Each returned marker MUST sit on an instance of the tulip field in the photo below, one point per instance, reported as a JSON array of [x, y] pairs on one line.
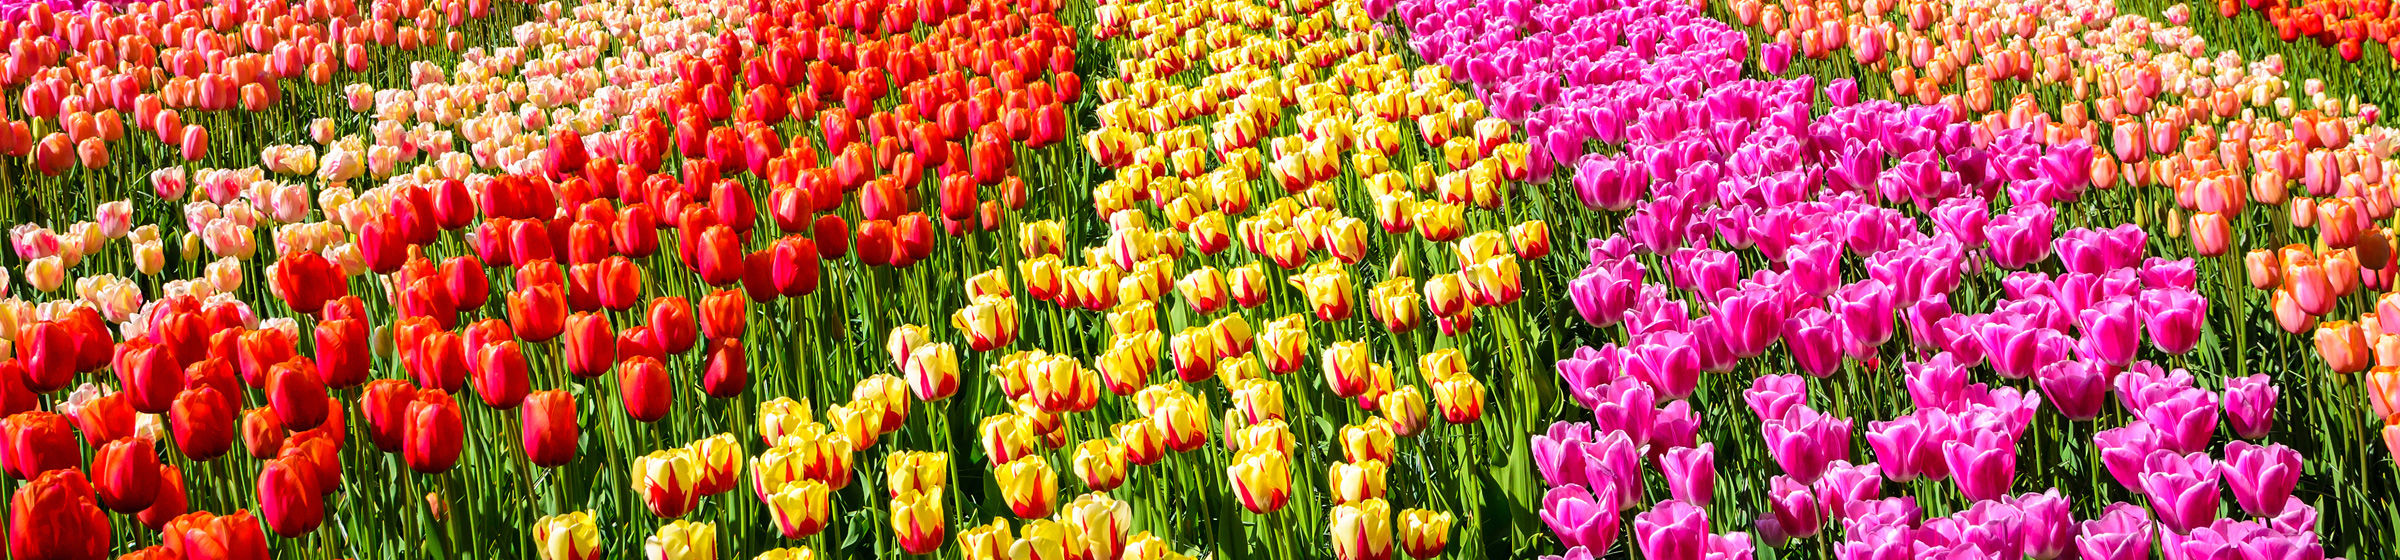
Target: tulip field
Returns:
[[1226, 279]]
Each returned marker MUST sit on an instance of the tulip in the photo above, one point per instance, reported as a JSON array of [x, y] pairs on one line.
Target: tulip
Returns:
[[1581, 518], [672, 325], [1362, 530], [1029, 486], [801, 509], [682, 540], [918, 523], [342, 353], [567, 536], [125, 474], [667, 481], [2122, 532], [287, 498], [262, 433], [590, 346], [169, 502], [2262, 477], [102, 419], [502, 377], [2250, 405], [2077, 389], [1102, 466], [201, 419], [54, 516], [550, 428], [644, 388], [2182, 489], [1424, 534], [433, 434]]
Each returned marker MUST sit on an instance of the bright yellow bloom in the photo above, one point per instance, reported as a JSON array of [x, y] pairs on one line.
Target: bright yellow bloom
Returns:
[[682, 540], [1362, 530], [1352, 482], [918, 522], [1261, 478], [1370, 441], [1100, 464], [1405, 408], [916, 471], [801, 508], [567, 536]]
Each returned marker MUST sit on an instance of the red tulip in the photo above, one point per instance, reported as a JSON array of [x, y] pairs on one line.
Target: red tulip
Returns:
[[213, 373], [261, 349], [14, 398], [384, 404], [591, 345], [47, 350], [54, 517], [618, 283], [502, 378], [538, 313], [126, 474], [168, 503], [724, 314], [529, 241], [792, 208], [463, 276], [35, 442], [262, 433], [672, 326], [104, 419], [382, 245], [876, 245], [550, 430], [297, 394], [434, 431], [342, 353], [441, 361], [718, 257], [287, 497], [95, 340], [566, 155], [483, 334], [726, 371], [202, 421], [643, 385], [148, 374], [306, 281], [453, 205], [54, 154], [227, 537], [915, 239], [320, 454]]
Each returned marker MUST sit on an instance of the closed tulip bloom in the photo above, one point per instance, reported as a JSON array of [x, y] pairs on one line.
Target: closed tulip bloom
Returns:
[[725, 371], [724, 314], [342, 352], [2077, 389], [202, 420], [550, 428], [125, 474], [262, 433], [1362, 530], [567, 536], [682, 540], [296, 394], [2344, 347], [101, 419], [54, 516], [801, 508], [673, 325], [668, 481], [384, 404], [502, 377], [538, 313], [590, 346], [434, 433], [2122, 532], [989, 323], [1029, 486], [2250, 405], [1100, 465], [645, 389], [1691, 473], [287, 499], [932, 371], [2262, 477], [918, 523]]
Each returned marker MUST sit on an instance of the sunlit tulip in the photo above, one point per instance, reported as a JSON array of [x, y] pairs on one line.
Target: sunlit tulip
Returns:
[[918, 522], [126, 474], [1424, 534], [682, 540], [801, 508], [644, 388], [1029, 486], [550, 428], [1362, 530], [202, 420], [1354, 482], [567, 536], [932, 371], [434, 432], [667, 481], [55, 516], [288, 499]]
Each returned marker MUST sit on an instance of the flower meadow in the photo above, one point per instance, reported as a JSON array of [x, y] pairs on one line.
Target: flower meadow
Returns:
[[1147, 279]]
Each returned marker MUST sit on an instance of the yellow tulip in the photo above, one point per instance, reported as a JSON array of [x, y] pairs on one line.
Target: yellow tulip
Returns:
[[1393, 302], [1195, 354], [917, 521], [1346, 366], [1142, 440], [1496, 280], [1349, 482], [1061, 384], [1405, 408], [1043, 539], [989, 283], [1371, 441], [904, 341], [1232, 334], [859, 422], [1007, 437], [1283, 346], [781, 416], [1532, 239], [801, 553], [668, 481], [1261, 478], [1327, 287], [1362, 530], [1248, 284], [989, 322], [719, 459], [1043, 277], [1446, 295], [1234, 370], [774, 468], [1271, 433], [682, 540], [1439, 221], [1259, 400], [800, 509], [1036, 239], [1424, 534], [916, 471], [1203, 290], [1099, 522], [986, 542], [889, 393], [1183, 422], [567, 536], [1029, 486]]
